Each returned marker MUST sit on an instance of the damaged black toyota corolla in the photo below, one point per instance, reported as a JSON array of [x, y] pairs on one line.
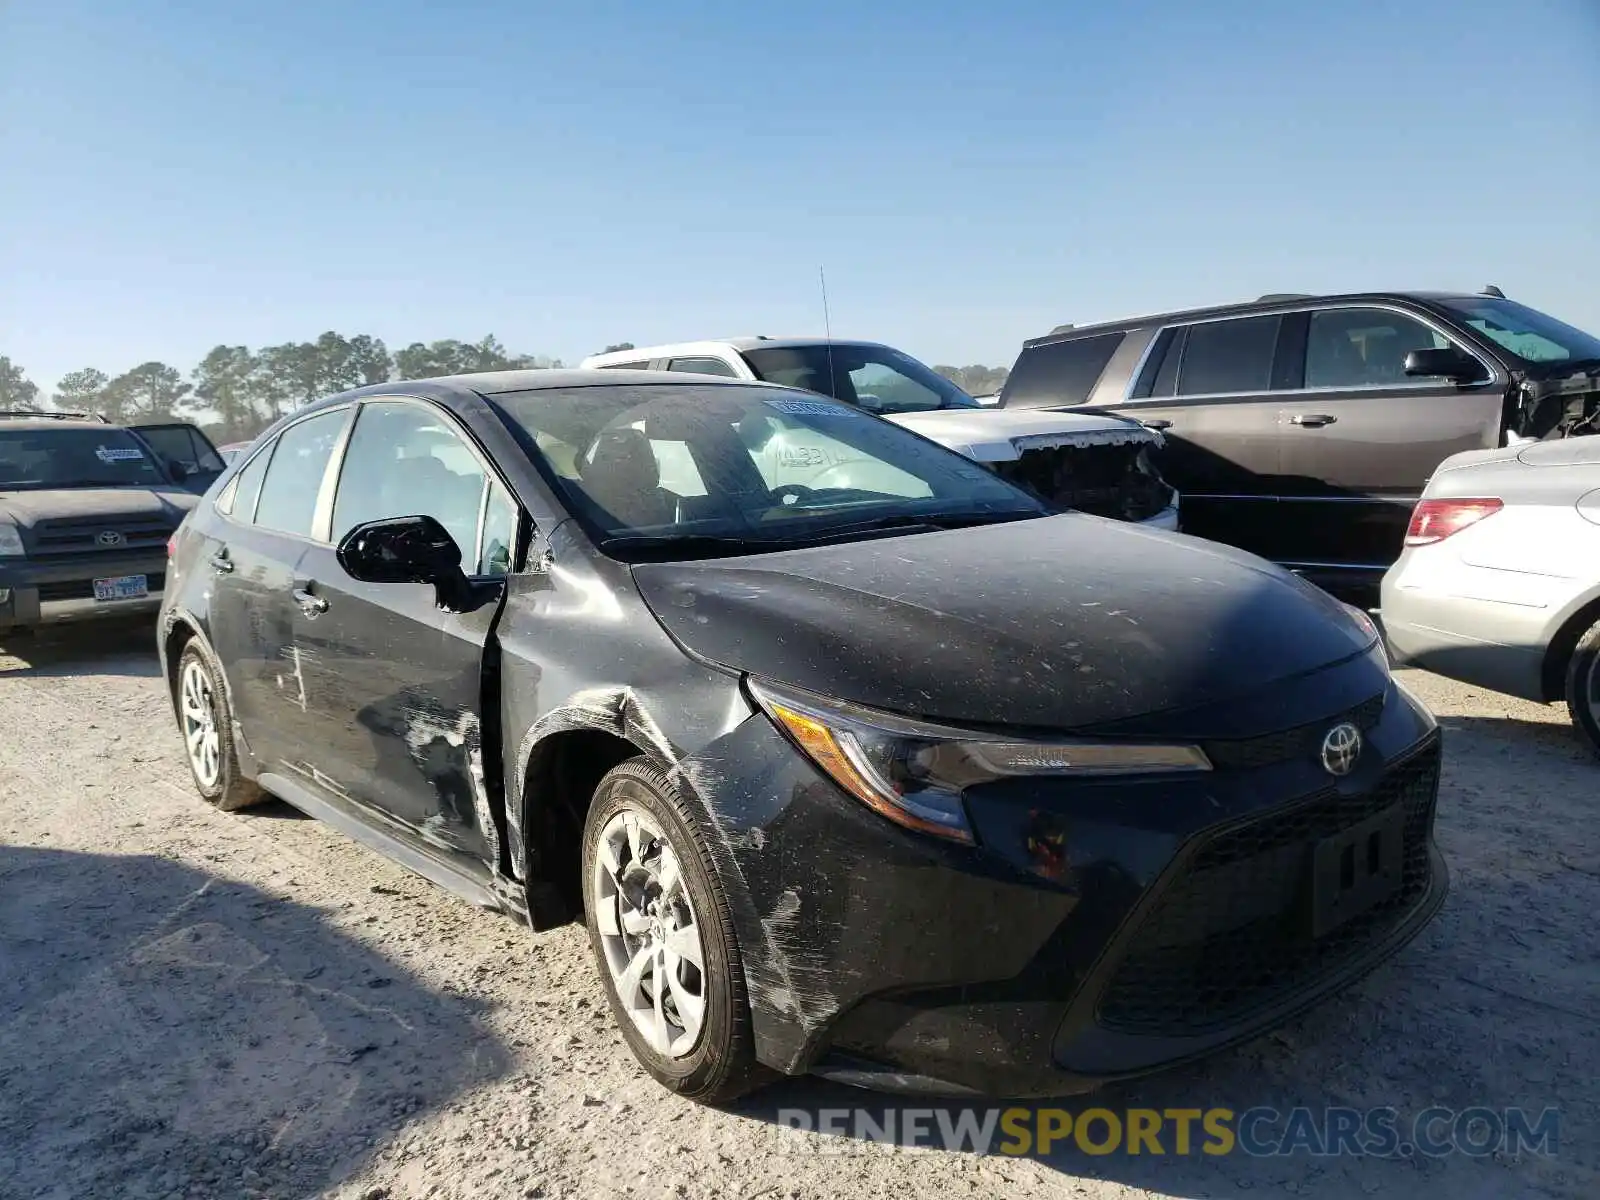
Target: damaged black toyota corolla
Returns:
[[892, 776]]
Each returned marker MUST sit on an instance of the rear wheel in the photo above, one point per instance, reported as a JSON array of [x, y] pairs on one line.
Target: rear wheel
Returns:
[[663, 938], [207, 727], [1583, 686]]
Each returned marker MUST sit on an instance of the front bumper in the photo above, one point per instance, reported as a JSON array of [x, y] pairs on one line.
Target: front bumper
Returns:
[[59, 591], [1097, 931]]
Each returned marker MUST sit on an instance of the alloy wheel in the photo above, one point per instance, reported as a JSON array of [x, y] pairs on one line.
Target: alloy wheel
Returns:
[[197, 705], [649, 933]]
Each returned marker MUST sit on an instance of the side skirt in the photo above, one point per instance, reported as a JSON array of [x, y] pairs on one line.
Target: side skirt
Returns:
[[482, 890]]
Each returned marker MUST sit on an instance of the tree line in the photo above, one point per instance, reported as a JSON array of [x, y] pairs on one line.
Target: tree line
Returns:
[[235, 392]]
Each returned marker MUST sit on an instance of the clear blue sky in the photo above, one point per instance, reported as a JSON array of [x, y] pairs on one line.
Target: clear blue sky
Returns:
[[174, 175]]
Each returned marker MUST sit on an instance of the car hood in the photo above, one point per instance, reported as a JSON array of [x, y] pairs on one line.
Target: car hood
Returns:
[[1001, 435], [35, 504], [1063, 622]]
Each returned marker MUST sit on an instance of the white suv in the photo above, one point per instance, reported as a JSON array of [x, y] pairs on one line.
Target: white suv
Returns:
[[1093, 462]]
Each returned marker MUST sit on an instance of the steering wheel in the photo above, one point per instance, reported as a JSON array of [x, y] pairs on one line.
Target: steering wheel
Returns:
[[789, 493]]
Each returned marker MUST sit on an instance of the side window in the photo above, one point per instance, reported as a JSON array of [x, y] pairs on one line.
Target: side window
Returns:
[[1229, 356], [499, 532], [1159, 376], [1364, 347], [288, 501], [703, 366], [239, 497], [1166, 381], [627, 366], [880, 388], [405, 460], [1060, 372]]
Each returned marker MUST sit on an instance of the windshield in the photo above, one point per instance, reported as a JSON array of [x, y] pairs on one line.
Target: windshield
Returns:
[[1528, 333], [875, 378], [684, 470], [75, 458]]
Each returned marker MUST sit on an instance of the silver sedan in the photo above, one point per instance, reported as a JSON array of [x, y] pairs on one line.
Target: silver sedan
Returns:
[[1499, 582]]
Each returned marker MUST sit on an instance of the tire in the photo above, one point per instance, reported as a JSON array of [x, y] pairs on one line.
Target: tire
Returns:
[[639, 842], [213, 761], [1583, 687]]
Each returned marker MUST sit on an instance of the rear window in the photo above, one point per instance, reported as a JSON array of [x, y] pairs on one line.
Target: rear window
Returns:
[[1059, 373], [1229, 356]]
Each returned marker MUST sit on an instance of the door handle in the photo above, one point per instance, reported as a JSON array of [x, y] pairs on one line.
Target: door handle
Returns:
[[1157, 423], [310, 603], [221, 562], [1312, 420]]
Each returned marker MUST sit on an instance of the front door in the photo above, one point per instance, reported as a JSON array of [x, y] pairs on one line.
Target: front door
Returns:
[[1361, 438], [397, 684]]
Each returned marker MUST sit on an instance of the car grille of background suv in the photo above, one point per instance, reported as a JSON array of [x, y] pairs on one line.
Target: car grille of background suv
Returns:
[[74, 537], [1230, 933]]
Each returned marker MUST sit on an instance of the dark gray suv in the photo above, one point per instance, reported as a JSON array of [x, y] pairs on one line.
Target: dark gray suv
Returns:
[[1304, 427]]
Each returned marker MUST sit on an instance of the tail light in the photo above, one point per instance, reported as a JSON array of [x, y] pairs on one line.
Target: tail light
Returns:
[[1434, 520], [172, 544]]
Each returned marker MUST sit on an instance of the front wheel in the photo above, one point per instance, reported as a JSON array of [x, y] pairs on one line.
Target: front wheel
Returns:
[[663, 937]]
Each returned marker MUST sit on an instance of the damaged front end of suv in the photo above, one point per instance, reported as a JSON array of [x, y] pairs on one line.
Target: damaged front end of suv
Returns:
[[1088, 462]]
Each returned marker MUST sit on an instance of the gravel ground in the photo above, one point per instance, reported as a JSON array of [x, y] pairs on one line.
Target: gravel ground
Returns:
[[201, 1005]]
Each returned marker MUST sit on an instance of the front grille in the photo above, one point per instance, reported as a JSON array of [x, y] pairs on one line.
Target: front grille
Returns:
[[73, 537], [1231, 934], [1107, 481], [83, 589], [1303, 741]]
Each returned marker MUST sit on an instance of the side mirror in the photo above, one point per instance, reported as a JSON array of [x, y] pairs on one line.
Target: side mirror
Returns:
[[407, 550], [1449, 362]]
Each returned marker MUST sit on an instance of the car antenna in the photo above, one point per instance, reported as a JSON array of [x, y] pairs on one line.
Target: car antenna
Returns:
[[827, 329], [1491, 290]]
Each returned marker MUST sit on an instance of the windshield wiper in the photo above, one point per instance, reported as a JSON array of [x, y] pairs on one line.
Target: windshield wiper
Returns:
[[910, 523]]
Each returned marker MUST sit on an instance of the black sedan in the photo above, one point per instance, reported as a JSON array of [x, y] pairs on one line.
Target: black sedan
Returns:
[[894, 776]]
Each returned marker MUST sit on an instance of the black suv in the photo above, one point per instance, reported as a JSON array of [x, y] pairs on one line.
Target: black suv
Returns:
[[1304, 427], [86, 508]]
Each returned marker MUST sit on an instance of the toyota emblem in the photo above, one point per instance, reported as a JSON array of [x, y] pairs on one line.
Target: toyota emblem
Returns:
[[109, 537], [1340, 749]]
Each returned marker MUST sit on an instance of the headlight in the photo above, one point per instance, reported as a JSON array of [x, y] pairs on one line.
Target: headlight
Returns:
[[10, 541], [914, 773]]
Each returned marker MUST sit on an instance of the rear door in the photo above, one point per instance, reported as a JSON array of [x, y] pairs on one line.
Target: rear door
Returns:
[[1210, 387], [396, 688], [267, 515], [1359, 437]]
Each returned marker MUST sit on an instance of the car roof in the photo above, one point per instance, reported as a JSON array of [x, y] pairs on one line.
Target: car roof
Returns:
[[493, 383], [1280, 302], [703, 345], [35, 423]]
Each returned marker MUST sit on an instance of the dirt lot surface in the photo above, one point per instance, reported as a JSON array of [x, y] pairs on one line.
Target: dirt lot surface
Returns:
[[201, 1005]]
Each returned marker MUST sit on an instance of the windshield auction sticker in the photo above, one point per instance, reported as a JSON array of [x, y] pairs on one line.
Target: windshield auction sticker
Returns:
[[806, 408], [111, 454]]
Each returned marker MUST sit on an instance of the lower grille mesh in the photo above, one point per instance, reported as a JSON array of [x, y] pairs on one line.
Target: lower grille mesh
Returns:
[[1231, 935]]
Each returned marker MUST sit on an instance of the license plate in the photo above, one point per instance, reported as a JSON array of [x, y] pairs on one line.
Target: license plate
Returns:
[[122, 587], [1354, 870]]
